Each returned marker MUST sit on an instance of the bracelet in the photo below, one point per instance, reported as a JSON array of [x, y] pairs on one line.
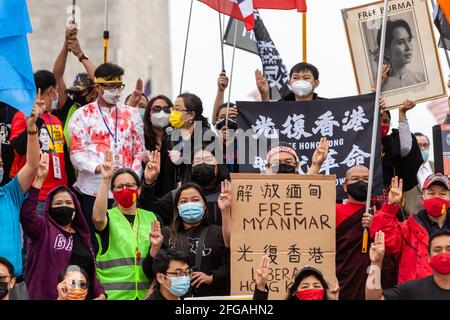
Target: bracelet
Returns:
[[83, 57]]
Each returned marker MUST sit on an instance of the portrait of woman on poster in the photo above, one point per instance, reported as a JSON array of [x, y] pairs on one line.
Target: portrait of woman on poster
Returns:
[[399, 56]]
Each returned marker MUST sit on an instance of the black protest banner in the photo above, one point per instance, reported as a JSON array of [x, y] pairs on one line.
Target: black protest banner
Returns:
[[259, 42], [346, 122]]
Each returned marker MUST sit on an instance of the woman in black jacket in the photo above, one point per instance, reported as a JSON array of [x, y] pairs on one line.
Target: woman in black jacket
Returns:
[[190, 232]]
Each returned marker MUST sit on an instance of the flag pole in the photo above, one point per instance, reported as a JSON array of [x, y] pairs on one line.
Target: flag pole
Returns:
[[221, 42], [433, 3], [106, 34], [231, 73], [74, 3], [185, 46], [304, 34], [375, 120]]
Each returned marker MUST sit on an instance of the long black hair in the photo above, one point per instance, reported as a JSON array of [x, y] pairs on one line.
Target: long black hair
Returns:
[[302, 274], [178, 239], [149, 134], [194, 103]]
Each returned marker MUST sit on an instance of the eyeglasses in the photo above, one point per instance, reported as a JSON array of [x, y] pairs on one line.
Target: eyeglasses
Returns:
[[180, 274], [74, 284], [166, 109], [120, 187], [4, 278], [355, 179]]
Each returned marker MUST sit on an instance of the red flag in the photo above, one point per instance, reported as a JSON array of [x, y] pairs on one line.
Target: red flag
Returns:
[[300, 5], [241, 10], [445, 6]]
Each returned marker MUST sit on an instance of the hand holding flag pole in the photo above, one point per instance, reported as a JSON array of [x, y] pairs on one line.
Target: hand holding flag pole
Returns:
[[106, 35], [376, 112]]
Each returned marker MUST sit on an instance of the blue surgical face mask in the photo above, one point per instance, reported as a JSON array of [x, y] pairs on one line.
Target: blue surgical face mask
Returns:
[[191, 212], [180, 285], [425, 155], [141, 112]]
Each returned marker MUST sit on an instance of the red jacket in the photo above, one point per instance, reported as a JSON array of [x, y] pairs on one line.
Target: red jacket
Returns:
[[407, 241]]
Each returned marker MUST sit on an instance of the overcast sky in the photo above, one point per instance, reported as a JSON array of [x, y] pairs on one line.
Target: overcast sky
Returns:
[[327, 49]]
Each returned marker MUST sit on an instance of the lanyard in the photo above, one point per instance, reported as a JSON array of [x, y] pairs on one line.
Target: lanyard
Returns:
[[51, 134], [107, 127]]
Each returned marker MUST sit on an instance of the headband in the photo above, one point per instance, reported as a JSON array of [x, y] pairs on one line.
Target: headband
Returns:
[[282, 149], [107, 80]]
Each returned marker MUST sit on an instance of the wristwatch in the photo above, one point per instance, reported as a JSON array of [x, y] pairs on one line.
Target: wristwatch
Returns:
[[83, 57]]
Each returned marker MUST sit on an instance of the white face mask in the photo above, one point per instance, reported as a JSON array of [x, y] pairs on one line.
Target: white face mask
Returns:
[[54, 105], [160, 119], [111, 96], [301, 88]]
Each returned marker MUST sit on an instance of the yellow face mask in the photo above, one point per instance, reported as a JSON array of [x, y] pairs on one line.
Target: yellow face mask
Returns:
[[175, 119]]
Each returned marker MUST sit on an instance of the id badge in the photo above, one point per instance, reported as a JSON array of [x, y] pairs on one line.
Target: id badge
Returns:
[[117, 160], [56, 166]]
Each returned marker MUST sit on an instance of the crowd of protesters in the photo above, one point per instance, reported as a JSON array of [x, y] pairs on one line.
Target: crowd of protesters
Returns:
[[101, 199]]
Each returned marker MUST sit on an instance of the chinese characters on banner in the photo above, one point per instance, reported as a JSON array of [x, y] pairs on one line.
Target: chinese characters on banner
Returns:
[[291, 219], [346, 122]]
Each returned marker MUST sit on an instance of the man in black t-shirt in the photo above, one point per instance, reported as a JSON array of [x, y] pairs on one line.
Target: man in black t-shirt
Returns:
[[435, 287]]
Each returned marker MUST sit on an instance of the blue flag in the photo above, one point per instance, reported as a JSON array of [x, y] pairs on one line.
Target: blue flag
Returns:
[[17, 86]]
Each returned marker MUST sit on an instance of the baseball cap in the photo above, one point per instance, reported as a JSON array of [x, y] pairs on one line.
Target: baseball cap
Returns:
[[436, 178], [81, 82]]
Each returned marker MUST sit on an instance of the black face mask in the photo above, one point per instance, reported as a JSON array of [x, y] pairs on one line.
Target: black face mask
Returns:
[[284, 168], [3, 289], [62, 215], [203, 174], [358, 190]]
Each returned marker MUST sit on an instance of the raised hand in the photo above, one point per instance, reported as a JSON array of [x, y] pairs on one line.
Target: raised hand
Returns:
[[224, 200], [377, 249], [262, 273], [407, 105], [321, 153], [107, 167], [333, 292], [222, 82], [261, 83], [43, 167], [38, 109], [153, 167], [396, 192], [383, 106], [62, 290], [74, 46], [156, 236], [137, 94]]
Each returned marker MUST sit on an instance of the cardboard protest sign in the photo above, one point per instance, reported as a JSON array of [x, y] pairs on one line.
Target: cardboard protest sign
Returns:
[[288, 217]]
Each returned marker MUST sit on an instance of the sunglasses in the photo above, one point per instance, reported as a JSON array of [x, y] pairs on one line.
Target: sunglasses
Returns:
[[166, 109]]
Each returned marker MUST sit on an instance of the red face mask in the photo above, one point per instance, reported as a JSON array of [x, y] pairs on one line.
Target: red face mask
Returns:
[[384, 130], [126, 197], [441, 263], [436, 206], [310, 294]]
